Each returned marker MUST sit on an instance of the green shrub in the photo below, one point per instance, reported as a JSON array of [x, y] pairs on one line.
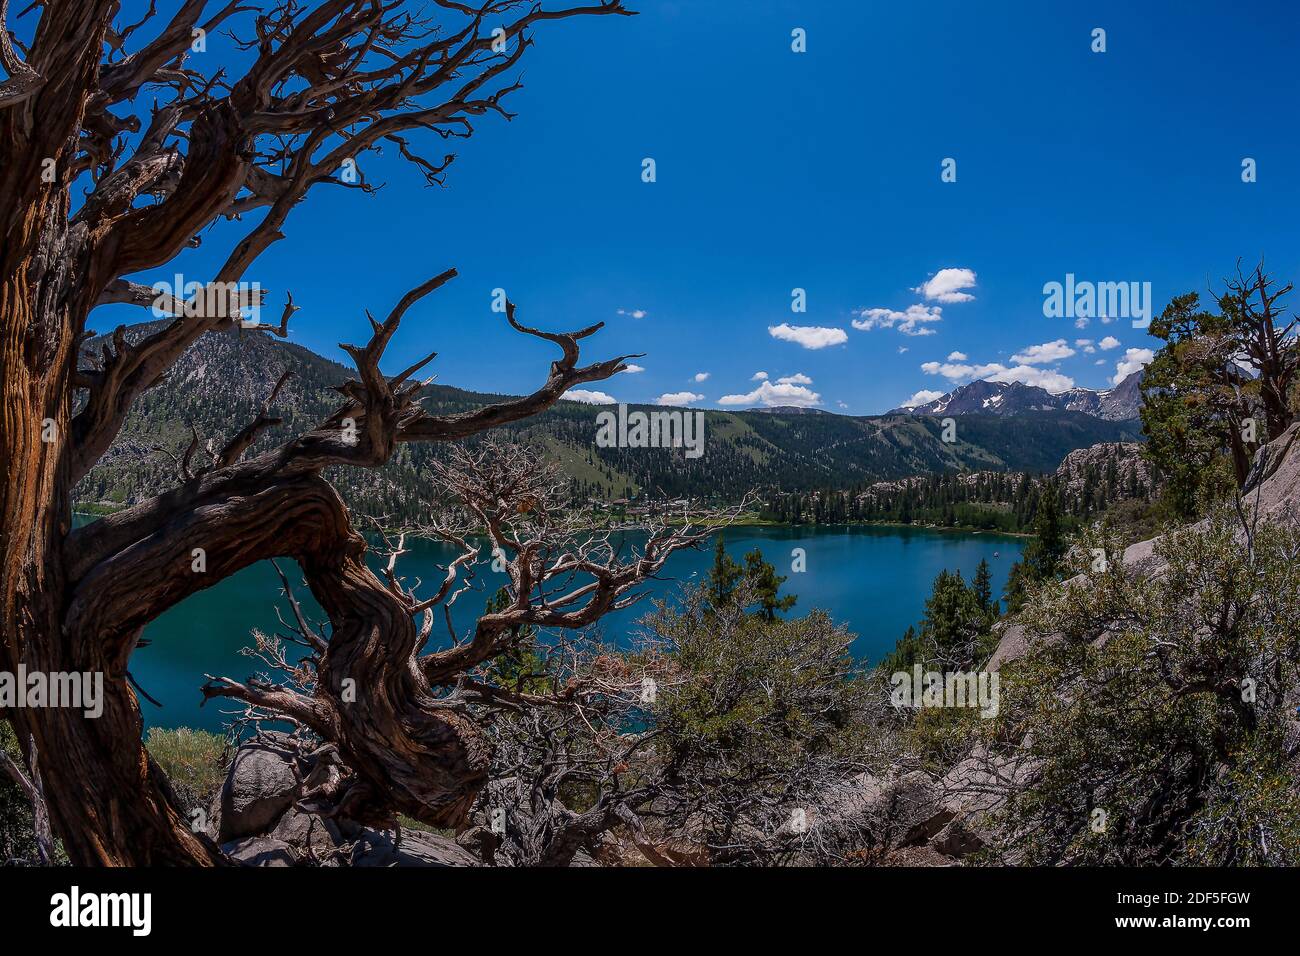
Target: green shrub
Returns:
[[195, 762], [1159, 710], [17, 841]]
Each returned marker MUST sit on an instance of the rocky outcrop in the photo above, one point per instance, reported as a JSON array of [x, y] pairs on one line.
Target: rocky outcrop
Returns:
[[915, 818], [416, 848], [1013, 642], [263, 782], [315, 837], [973, 789], [260, 851], [1273, 485], [269, 814], [1272, 490], [1130, 468]]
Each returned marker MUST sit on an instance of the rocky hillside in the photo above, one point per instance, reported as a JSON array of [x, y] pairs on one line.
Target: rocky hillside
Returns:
[[941, 817], [218, 385], [1117, 463]]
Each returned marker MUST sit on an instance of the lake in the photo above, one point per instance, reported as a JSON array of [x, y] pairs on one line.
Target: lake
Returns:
[[872, 579]]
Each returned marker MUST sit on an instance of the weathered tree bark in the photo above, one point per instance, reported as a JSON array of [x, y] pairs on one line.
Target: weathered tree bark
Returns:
[[104, 793], [332, 80]]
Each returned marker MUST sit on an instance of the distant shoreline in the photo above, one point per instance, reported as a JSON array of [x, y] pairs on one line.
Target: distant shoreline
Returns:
[[757, 523]]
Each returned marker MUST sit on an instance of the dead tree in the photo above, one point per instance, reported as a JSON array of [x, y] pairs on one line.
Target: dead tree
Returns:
[[1265, 342], [30, 788], [553, 732], [329, 81]]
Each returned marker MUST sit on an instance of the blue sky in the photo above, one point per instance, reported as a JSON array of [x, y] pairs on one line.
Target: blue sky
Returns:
[[779, 170]]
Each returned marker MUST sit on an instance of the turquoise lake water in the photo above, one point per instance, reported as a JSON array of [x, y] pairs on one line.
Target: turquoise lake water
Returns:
[[874, 580]]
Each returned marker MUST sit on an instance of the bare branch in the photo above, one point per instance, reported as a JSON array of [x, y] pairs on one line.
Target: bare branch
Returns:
[[33, 791], [244, 438], [23, 82]]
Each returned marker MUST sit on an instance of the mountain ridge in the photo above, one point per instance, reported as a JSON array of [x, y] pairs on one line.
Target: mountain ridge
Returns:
[[220, 383], [1117, 404]]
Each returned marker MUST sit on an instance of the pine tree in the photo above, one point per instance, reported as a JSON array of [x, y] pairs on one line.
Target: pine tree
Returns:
[[952, 632], [983, 588], [904, 654], [766, 582], [723, 576], [1048, 550], [726, 575]]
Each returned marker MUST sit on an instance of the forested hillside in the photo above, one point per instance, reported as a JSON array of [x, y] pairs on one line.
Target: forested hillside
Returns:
[[222, 381], [1085, 484]]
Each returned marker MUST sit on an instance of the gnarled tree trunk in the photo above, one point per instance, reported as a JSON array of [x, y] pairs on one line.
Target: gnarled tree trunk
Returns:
[[332, 80]]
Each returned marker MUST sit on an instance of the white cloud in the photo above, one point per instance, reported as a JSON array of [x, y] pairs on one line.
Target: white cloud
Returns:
[[769, 394], [946, 285], [1099, 362], [1081, 322], [678, 398], [758, 377], [957, 356], [924, 397], [842, 404], [798, 378], [996, 372], [1133, 360], [1042, 354], [1052, 381], [911, 322], [701, 376], [634, 313], [809, 336], [948, 370], [589, 397], [1086, 345], [633, 369], [902, 349], [1108, 343]]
